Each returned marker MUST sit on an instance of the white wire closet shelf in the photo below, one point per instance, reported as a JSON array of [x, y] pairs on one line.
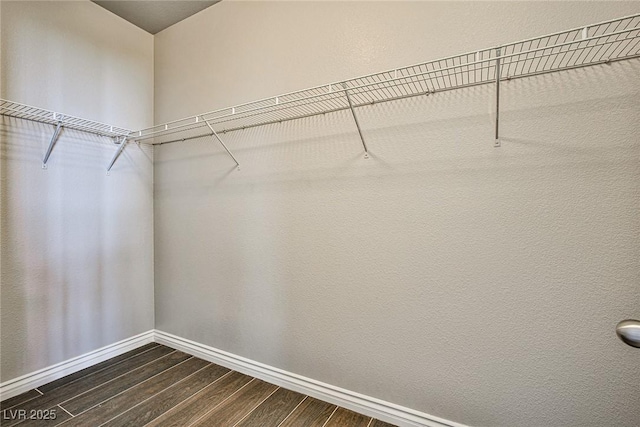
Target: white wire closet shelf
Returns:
[[60, 121], [27, 112], [604, 42]]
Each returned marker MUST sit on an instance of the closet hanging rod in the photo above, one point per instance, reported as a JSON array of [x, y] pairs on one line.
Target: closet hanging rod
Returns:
[[613, 40]]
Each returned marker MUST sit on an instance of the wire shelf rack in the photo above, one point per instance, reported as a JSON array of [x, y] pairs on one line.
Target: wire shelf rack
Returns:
[[60, 121], [594, 44], [608, 41], [27, 112]]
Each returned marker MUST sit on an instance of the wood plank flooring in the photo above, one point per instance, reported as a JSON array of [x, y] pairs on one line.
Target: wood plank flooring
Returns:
[[155, 385]]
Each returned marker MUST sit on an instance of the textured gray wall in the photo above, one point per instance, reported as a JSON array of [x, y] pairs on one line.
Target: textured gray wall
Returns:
[[77, 245], [477, 284]]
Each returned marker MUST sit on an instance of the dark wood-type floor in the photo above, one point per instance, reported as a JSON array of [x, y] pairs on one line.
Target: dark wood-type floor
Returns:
[[155, 385]]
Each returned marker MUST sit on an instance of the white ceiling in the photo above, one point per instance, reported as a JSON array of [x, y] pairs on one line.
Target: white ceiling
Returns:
[[152, 15]]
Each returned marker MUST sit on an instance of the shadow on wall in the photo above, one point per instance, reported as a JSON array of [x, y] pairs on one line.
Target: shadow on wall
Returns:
[[73, 264], [437, 132], [378, 275]]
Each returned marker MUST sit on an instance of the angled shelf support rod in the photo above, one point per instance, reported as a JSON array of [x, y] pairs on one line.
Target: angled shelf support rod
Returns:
[[496, 143], [54, 138], [355, 119], [213, 133], [117, 154]]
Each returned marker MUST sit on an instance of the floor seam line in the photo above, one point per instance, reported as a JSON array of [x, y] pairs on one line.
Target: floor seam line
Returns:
[[116, 378], [255, 407], [190, 397], [21, 403], [60, 406], [154, 395], [334, 411], [293, 410], [221, 402], [100, 370], [111, 380], [137, 384]]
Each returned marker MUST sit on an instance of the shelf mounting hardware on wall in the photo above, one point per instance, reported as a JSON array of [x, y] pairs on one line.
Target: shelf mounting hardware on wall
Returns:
[[355, 119], [604, 42], [52, 142], [123, 143], [213, 133], [60, 121]]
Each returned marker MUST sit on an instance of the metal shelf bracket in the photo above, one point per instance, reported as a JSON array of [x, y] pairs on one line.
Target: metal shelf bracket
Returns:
[[117, 154], [213, 133], [355, 119], [496, 142], [52, 142]]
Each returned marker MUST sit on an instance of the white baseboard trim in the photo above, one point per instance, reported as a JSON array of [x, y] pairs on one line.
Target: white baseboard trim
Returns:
[[35, 379], [357, 402]]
